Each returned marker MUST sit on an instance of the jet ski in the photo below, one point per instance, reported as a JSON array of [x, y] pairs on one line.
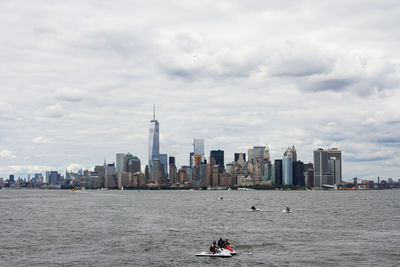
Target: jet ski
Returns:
[[254, 210], [218, 253], [287, 210]]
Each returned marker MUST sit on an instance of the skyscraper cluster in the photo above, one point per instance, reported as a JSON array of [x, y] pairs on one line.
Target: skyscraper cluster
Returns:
[[258, 169], [255, 168]]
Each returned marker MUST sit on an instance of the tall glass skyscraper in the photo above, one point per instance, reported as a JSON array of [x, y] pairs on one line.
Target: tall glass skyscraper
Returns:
[[198, 147], [154, 140], [287, 170]]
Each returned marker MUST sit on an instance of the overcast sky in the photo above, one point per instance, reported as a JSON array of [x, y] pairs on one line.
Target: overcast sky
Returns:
[[78, 80]]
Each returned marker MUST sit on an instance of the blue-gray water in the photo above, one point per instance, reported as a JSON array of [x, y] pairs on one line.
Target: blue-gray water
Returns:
[[167, 228]]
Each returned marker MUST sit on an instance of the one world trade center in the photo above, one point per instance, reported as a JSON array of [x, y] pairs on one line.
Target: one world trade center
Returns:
[[154, 143]]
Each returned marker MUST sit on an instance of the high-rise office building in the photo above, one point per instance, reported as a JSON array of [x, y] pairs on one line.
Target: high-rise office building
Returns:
[[164, 163], [120, 162], [309, 174], [267, 171], [131, 164], [278, 171], [11, 178], [154, 142], [250, 155], [335, 165], [218, 155], [101, 173], [258, 152], [198, 147], [110, 175], [241, 156], [156, 171], [172, 175], [327, 166], [54, 178], [291, 152], [320, 167], [191, 159], [287, 170], [171, 160], [298, 173], [266, 154]]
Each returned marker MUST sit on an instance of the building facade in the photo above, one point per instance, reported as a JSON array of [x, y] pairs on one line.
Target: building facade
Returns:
[[287, 170]]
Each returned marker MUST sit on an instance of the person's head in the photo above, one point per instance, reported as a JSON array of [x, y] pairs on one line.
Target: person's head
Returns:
[[214, 242], [220, 238]]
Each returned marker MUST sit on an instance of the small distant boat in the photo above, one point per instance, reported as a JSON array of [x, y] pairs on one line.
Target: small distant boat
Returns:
[[254, 209], [122, 188], [286, 211], [74, 190], [245, 189]]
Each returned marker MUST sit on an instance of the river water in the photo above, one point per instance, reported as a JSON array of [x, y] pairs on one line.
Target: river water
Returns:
[[167, 228]]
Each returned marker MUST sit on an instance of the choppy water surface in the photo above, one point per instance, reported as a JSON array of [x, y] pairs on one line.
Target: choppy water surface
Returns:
[[167, 228]]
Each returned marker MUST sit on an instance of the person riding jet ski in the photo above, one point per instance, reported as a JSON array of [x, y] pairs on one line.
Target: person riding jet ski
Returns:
[[213, 247], [220, 242]]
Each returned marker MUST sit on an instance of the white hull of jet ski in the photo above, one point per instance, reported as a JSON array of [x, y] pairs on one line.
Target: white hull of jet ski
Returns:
[[255, 209], [223, 253]]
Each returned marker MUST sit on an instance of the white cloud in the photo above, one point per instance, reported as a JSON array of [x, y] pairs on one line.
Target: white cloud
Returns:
[[69, 94], [6, 154], [40, 140], [74, 167], [30, 168], [54, 111]]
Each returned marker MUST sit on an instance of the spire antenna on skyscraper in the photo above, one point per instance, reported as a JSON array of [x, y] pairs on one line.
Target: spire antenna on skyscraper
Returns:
[[154, 112]]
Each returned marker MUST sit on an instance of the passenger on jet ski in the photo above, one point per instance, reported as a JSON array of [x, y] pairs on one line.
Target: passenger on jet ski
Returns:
[[253, 208], [220, 242], [287, 209], [213, 247]]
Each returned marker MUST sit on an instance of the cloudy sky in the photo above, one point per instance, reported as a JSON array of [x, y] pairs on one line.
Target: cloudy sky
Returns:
[[78, 80]]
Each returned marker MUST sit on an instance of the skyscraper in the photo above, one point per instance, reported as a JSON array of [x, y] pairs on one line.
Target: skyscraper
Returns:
[[154, 143], [240, 156], [335, 165], [278, 171], [164, 164], [287, 170], [291, 152], [266, 154], [198, 147], [131, 164], [218, 155], [172, 171], [120, 162], [327, 166], [298, 173], [320, 167]]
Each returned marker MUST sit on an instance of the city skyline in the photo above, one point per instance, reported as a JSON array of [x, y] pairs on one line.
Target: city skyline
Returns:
[[78, 83]]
